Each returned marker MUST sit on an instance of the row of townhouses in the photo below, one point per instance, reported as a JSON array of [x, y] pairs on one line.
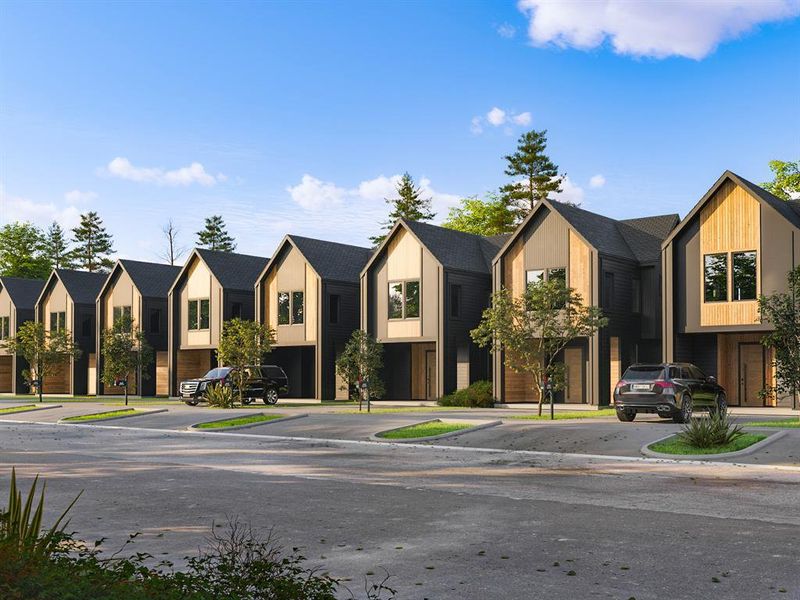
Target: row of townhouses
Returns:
[[673, 290]]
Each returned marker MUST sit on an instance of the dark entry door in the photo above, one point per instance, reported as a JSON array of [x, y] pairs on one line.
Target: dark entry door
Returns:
[[430, 375], [751, 374]]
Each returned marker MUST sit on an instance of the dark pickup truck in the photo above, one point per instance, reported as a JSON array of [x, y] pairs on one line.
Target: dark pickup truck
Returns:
[[265, 382]]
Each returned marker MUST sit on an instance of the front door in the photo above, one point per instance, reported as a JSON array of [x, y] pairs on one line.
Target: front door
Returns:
[[751, 374], [430, 375], [573, 362]]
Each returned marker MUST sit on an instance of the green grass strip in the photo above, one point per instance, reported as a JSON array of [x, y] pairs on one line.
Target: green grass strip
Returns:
[[237, 421], [102, 415], [575, 414], [13, 409], [791, 423], [407, 409], [674, 445], [425, 430]]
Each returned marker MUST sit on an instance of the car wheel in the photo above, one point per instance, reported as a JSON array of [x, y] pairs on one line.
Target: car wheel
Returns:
[[271, 396], [685, 414], [626, 416], [721, 405], [192, 401]]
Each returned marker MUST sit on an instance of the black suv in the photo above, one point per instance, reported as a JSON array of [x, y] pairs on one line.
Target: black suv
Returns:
[[672, 390], [267, 382]]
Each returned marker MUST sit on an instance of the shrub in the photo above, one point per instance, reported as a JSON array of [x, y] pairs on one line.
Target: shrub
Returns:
[[220, 396], [707, 432], [478, 395]]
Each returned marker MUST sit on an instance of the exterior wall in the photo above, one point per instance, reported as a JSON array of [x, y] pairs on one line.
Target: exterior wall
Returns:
[[119, 292], [56, 299], [199, 284], [7, 309], [291, 274], [334, 336]]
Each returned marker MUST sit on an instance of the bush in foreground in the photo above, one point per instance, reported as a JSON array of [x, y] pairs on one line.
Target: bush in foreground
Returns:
[[707, 432], [478, 395]]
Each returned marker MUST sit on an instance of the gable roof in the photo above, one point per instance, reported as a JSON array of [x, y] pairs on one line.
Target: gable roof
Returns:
[[331, 260], [789, 209], [233, 271], [82, 286], [23, 292], [153, 280], [456, 249]]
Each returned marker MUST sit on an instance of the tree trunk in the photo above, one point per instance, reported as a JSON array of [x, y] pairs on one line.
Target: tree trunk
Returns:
[[539, 389]]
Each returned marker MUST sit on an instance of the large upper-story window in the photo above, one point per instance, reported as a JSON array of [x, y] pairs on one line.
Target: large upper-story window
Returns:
[[290, 308], [58, 321], [715, 277], [744, 275], [5, 327], [122, 312], [537, 275], [198, 314], [743, 267], [404, 299]]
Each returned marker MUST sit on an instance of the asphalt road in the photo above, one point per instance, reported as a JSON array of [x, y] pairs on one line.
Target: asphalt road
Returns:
[[446, 522]]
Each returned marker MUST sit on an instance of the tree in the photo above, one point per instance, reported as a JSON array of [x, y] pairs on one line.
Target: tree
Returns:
[[409, 205], [481, 217], [536, 176], [243, 344], [362, 360], [782, 310], [173, 252], [786, 182], [532, 330], [45, 351], [215, 236], [21, 252], [125, 352], [93, 244], [55, 248]]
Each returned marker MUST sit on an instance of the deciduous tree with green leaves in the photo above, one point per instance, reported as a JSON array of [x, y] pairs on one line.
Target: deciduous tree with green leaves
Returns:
[[786, 181], [45, 351], [481, 217], [243, 343], [532, 330], [55, 248], [93, 245], [125, 353], [535, 175], [21, 252], [362, 360], [409, 204], [214, 235]]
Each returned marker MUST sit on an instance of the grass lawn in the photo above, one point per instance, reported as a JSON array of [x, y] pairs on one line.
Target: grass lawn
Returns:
[[13, 409], [791, 423], [425, 430], [102, 415], [575, 414], [237, 421], [407, 409], [674, 445]]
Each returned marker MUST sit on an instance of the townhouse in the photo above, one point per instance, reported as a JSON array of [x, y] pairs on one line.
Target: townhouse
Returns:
[[67, 301], [139, 291], [612, 264], [422, 291], [17, 306], [309, 294], [211, 288], [738, 242]]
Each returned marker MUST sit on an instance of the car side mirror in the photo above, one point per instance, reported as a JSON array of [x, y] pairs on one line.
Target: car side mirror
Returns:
[[711, 379]]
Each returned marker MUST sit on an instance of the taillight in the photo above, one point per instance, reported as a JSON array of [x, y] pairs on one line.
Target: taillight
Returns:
[[622, 383], [663, 387]]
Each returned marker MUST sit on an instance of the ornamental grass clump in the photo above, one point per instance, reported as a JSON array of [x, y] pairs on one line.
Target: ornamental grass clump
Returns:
[[708, 432], [220, 396]]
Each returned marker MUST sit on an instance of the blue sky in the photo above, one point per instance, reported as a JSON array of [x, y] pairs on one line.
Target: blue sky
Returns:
[[296, 117]]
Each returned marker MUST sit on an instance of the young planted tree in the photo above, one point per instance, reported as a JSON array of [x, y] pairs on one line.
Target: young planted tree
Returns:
[[173, 251], [21, 252], [45, 351], [93, 245], [55, 248], [409, 204], [243, 344], [535, 175], [532, 330], [125, 353], [782, 310], [360, 362], [214, 236], [786, 181], [481, 217]]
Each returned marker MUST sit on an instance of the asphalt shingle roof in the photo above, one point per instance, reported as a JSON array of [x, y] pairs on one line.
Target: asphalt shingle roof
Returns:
[[331, 260], [234, 271], [23, 292], [456, 249], [82, 286], [153, 280]]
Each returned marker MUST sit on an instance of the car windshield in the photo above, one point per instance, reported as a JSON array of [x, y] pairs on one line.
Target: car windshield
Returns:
[[219, 373], [643, 374]]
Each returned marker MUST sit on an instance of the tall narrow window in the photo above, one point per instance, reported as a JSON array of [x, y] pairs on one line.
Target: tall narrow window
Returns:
[[715, 277], [297, 308], [744, 275], [284, 310], [333, 309], [191, 314], [5, 327], [155, 320], [455, 301], [609, 292], [87, 326], [204, 313], [412, 300], [236, 310], [396, 300]]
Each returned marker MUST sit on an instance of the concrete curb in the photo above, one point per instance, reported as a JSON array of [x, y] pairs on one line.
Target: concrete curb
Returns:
[[481, 425], [195, 426], [30, 409], [706, 457], [138, 413]]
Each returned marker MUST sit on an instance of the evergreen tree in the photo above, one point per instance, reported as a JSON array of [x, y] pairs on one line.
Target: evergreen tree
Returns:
[[215, 236], [55, 248], [21, 252], [535, 174], [92, 244], [408, 205]]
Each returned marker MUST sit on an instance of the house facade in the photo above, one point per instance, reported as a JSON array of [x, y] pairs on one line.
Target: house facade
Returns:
[[17, 306], [737, 243], [211, 288], [67, 301], [139, 291], [309, 295], [422, 291], [611, 264]]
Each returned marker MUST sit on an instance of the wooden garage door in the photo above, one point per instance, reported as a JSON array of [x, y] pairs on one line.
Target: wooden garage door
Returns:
[[59, 381], [6, 377], [518, 387]]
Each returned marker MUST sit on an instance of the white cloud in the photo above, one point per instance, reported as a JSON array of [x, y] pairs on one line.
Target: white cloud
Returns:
[[496, 116], [77, 196], [195, 173], [597, 181], [687, 28], [570, 192], [506, 30], [523, 119], [313, 194], [476, 125], [41, 214]]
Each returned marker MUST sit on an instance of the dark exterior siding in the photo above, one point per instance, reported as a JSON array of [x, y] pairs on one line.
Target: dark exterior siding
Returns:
[[699, 349], [336, 335], [397, 371], [86, 343]]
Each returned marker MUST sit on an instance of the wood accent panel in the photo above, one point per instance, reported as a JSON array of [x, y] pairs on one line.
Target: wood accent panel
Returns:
[[730, 222], [580, 267], [615, 365], [404, 257], [193, 363], [518, 387], [573, 360], [311, 314], [59, 381], [403, 328], [418, 369], [91, 387], [6, 374], [162, 374], [462, 368], [514, 269], [271, 301], [728, 372]]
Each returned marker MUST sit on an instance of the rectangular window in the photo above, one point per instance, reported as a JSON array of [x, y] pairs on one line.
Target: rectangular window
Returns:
[[455, 301], [155, 320], [333, 309], [396, 300], [297, 308], [715, 277], [559, 274], [5, 327], [122, 312], [404, 300], [87, 326], [283, 308], [198, 314], [58, 320], [204, 314], [608, 289], [636, 299], [744, 275], [236, 310], [412, 300], [192, 314], [534, 276]]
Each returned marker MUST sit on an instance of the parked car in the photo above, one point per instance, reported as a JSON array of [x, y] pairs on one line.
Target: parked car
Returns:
[[267, 382], [671, 390]]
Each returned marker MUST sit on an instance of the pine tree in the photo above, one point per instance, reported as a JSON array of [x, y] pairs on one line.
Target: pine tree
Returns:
[[21, 252], [215, 236], [408, 205], [535, 174], [93, 244], [55, 248]]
